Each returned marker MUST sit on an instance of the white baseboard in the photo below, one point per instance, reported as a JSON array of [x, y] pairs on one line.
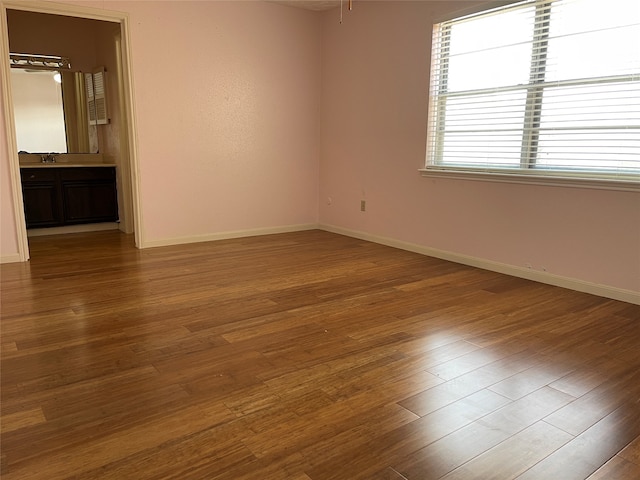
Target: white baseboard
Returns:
[[520, 272], [210, 237], [543, 277], [10, 258]]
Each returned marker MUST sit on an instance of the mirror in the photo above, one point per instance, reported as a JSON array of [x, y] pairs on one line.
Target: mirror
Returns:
[[50, 111]]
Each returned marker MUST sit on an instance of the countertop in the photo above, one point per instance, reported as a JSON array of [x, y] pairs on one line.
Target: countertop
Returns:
[[65, 165]]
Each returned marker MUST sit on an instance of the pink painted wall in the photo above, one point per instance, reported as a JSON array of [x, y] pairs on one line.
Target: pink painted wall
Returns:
[[374, 111], [226, 99], [227, 96], [244, 108]]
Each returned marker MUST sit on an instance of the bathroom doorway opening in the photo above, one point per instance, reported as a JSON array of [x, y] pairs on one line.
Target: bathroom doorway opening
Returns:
[[101, 38]]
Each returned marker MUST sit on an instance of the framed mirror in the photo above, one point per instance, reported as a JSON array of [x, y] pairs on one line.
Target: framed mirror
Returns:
[[51, 111]]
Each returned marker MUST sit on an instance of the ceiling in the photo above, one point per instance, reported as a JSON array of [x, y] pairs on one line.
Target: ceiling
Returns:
[[322, 5], [315, 5]]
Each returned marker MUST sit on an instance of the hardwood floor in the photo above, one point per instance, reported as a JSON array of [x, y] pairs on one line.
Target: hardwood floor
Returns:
[[306, 356]]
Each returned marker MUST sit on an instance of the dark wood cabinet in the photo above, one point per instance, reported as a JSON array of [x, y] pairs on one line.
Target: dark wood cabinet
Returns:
[[41, 205], [69, 195], [89, 194]]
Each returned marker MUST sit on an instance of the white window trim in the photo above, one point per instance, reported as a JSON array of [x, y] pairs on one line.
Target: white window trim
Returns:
[[616, 182], [520, 177]]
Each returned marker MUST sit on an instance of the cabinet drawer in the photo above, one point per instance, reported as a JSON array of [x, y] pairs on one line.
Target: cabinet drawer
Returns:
[[87, 173], [37, 174]]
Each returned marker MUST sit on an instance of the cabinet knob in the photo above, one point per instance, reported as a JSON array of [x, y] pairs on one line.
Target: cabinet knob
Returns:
[[32, 176]]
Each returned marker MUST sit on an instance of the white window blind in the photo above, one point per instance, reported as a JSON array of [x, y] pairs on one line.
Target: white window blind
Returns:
[[541, 87], [96, 96]]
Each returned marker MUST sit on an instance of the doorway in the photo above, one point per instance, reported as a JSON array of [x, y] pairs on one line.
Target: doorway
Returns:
[[90, 38]]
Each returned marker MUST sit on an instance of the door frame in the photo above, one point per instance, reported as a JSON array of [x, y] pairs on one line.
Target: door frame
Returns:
[[68, 10]]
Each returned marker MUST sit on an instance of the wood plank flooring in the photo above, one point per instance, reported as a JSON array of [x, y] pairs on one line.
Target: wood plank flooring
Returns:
[[306, 356]]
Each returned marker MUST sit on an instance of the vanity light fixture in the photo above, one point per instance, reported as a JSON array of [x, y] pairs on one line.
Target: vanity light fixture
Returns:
[[38, 61]]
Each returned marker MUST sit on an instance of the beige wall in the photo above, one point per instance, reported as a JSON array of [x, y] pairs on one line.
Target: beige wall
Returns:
[[75, 38]]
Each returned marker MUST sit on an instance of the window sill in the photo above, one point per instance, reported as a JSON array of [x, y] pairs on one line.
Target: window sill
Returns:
[[622, 184]]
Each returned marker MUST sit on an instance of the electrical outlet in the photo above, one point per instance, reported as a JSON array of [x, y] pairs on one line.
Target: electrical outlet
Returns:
[[363, 205]]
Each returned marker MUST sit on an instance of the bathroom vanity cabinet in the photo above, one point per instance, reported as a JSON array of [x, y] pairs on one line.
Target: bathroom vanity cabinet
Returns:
[[56, 196]]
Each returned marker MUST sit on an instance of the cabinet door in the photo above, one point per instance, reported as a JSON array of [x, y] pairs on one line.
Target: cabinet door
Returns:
[[41, 205], [89, 195], [93, 201]]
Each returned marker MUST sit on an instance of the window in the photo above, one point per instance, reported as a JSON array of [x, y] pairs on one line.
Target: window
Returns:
[[541, 88]]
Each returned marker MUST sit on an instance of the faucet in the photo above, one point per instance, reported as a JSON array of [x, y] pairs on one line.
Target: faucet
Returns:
[[48, 158]]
